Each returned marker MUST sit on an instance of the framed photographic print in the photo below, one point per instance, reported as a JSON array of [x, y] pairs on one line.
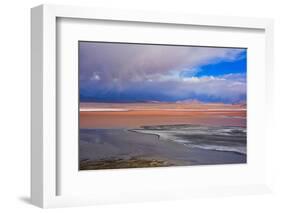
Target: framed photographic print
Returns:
[[148, 106], [152, 105]]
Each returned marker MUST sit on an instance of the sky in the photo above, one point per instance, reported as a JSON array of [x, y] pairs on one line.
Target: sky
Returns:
[[129, 73]]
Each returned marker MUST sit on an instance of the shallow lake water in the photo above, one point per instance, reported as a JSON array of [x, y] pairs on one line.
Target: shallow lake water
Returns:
[[177, 145]]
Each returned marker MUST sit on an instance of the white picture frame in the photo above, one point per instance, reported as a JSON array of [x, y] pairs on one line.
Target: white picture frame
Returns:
[[44, 148]]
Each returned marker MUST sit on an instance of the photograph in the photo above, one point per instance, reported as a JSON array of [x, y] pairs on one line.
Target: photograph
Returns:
[[161, 105]]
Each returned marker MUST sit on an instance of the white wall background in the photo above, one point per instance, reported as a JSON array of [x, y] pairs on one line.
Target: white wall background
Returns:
[[15, 98]]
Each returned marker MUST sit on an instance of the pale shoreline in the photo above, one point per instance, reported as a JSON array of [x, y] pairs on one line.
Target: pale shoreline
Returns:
[[138, 109]]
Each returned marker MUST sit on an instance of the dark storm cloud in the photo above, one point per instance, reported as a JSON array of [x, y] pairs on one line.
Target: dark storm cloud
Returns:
[[127, 72]]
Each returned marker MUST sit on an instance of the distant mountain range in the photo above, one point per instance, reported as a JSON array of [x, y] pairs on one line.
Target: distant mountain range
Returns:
[[187, 101]]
